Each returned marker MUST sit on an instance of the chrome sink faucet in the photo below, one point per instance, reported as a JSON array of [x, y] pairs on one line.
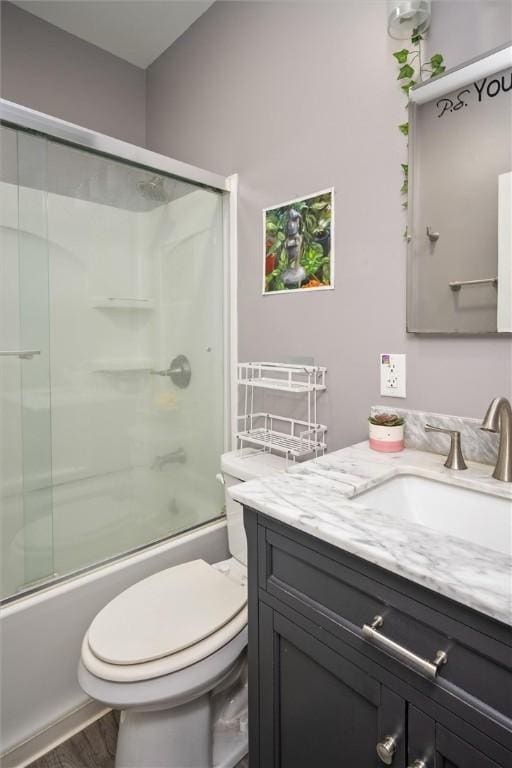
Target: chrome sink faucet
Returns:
[[499, 419]]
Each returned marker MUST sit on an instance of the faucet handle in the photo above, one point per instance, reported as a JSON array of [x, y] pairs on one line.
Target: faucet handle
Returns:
[[455, 459], [431, 428]]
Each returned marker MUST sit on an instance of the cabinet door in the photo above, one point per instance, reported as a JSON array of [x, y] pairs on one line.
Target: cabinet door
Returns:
[[431, 745], [317, 708]]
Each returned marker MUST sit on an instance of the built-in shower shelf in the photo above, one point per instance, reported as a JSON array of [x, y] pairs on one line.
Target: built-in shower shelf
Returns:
[[122, 366], [122, 302]]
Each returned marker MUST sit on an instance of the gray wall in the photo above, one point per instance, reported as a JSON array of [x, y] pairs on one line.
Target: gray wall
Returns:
[[47, 69], [296, 98]]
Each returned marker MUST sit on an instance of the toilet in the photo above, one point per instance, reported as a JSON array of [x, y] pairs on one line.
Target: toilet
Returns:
[[169, 651]]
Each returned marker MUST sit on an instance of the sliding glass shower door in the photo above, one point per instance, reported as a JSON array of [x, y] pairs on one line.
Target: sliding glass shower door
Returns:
[[26, 451], [112, 429]]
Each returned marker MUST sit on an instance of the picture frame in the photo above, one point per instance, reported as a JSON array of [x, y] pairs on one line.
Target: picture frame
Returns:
[[298, 244]]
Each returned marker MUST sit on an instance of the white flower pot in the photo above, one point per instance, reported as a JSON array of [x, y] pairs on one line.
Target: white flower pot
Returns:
[[386, 439]]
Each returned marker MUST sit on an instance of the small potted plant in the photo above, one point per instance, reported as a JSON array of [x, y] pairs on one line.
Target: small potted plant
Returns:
[[386, 432]]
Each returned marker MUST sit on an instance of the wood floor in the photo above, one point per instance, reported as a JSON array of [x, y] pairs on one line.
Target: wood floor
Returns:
[[95, 747]]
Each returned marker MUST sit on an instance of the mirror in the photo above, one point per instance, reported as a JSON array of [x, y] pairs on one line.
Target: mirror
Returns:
[[459, 275]]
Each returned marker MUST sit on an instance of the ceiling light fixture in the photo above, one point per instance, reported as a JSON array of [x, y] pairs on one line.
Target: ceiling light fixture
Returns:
[[406, 16]]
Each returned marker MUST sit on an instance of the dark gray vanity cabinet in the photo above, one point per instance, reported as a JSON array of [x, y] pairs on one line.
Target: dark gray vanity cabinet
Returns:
[[316, 705], [322, 695], [431, 741]]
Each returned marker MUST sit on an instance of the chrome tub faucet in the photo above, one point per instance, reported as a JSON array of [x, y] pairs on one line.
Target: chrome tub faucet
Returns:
[[499, 419]]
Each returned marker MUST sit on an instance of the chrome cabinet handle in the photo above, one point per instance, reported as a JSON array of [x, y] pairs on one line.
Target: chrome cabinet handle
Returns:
[[428, 668], [386, 749]]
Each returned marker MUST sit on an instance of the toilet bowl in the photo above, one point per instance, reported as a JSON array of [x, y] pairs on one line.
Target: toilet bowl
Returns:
[[170, 650]]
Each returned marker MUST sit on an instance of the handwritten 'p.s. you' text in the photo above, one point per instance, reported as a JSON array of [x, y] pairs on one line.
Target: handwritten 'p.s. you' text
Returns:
[[481, 90]]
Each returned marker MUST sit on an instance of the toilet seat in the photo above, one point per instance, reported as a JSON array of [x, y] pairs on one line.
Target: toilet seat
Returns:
[[165, 623], [169, 690]]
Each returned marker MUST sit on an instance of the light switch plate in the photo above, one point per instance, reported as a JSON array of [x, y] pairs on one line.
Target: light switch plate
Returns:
[[392, 375]]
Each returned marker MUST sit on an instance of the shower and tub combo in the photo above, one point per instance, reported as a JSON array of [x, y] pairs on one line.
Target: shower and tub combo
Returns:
[[115, 261]]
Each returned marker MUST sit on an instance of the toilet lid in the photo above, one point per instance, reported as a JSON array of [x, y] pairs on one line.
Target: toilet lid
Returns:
[[165, 613]]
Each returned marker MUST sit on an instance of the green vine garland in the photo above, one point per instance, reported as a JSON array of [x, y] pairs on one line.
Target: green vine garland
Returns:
[[412, 71]]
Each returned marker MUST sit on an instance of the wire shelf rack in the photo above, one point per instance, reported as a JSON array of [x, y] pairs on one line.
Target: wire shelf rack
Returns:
[[284, 378], [293, 438], [296, 439]]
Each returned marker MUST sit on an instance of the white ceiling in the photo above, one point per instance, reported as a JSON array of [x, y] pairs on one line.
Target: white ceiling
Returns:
[[135, 30]]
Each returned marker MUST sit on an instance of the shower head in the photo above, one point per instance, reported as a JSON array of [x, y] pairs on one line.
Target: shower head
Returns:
[[154, 189]]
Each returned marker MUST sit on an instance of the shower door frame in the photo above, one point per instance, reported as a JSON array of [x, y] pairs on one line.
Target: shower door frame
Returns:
[[16, 116]]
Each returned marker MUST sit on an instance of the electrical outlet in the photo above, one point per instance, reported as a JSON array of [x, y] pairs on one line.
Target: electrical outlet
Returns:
[[392, 375]]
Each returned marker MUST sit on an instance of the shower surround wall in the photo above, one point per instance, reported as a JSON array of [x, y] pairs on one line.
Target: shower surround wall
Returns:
[[298, 97]]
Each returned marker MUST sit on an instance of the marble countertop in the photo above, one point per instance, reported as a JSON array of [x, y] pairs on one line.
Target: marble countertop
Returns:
[[315, 497]]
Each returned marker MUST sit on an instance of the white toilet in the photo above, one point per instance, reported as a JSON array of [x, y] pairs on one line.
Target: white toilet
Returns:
[[166, 649]]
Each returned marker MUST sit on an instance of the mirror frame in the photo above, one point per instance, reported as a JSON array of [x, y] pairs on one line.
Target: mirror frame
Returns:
[[457, 77]]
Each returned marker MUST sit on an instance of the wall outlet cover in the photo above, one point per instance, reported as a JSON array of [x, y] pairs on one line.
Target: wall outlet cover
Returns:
[[392, 375]]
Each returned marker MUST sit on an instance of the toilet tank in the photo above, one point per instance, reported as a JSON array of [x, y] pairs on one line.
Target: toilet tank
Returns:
[[237, 467]]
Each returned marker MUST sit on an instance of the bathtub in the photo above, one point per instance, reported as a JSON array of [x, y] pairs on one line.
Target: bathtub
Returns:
[[41, 633], [96, 518]]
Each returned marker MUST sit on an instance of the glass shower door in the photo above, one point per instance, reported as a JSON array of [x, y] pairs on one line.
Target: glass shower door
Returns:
[[111, 275], [26, 455], [136, 282]]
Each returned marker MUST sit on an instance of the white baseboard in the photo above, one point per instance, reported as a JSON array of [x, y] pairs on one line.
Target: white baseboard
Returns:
[[44, 741]]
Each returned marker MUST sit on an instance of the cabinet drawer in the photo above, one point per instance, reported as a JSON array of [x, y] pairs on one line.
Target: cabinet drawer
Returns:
[[343, 597]]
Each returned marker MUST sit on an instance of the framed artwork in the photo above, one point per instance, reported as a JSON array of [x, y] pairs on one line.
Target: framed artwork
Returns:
[[299, 245]]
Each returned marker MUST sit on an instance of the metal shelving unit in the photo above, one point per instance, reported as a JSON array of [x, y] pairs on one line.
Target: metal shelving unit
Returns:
[[295, 439]]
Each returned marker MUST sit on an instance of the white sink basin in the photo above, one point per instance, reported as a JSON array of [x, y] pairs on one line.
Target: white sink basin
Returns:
[[470, 515]]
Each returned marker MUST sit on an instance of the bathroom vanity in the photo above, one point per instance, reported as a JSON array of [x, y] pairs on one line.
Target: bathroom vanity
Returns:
[[374, 639]]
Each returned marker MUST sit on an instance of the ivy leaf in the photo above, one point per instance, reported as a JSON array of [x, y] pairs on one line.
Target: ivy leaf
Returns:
[[405, 71], [407, 86], [405, 205], [405, 169], [416, 36], [405, 187], [436, 60], [404, 128], [437, 71], [401, 56]]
